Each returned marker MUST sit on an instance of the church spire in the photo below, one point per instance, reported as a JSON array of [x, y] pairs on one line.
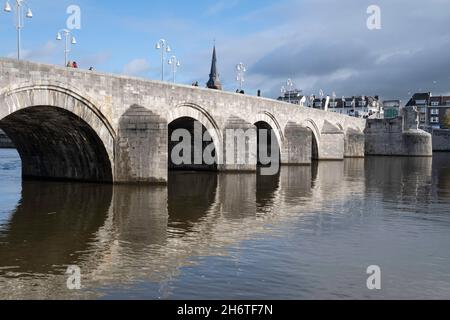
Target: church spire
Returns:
[[214, 81]]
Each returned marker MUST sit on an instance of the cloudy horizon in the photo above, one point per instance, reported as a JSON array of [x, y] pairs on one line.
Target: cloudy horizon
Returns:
[[320, 44]]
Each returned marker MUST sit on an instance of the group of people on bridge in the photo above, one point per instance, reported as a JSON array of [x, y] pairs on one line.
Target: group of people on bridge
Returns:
[[74, 65]]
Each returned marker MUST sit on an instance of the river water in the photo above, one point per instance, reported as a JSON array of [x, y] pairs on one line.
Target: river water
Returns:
[[308, 233]]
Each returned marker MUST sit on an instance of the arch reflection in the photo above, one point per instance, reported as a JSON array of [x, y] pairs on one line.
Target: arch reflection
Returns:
[[52, 224]]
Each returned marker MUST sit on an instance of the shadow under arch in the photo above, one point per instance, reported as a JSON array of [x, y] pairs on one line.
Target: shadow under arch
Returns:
[[55, 144], [187, 117], [271, 120], [59, 134], [267, 121]]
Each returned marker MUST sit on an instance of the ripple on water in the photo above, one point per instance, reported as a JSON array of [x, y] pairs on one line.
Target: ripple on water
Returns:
[[308, 233]]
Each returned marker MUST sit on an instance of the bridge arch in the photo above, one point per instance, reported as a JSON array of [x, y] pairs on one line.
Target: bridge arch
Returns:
[[271, 120], [267, 121], [58, 133], [190, 112], [311, 125]]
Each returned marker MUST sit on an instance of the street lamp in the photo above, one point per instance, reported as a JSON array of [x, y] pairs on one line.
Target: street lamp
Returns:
[[19, 19], [334, 100], [69, 41], [290, 85], [164, 47], [311, 101], [241, 70], [283, 91], [353, 106], [288, 88], [175, 63], [321, 95], [363, 100]]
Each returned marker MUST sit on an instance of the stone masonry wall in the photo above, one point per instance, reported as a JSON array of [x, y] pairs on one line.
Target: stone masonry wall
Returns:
[[441, 140], [103, 101], [386, 137]]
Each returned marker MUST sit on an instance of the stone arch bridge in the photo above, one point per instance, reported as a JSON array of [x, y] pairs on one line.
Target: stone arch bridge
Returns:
[[89, 126]]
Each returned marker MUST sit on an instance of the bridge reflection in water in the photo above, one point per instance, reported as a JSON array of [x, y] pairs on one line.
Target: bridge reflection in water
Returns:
[[123, 234]]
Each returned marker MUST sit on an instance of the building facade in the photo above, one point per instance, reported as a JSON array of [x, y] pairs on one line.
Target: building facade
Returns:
[[421, 101], [434, 111], [438, 112], [360, 107], [294, 97]]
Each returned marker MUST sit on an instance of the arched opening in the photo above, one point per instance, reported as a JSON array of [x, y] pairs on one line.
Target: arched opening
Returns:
[[190, 146], [311, 125], [55, 144], [272, 144]]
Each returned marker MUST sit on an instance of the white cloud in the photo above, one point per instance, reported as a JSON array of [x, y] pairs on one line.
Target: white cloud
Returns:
[[137, 67]]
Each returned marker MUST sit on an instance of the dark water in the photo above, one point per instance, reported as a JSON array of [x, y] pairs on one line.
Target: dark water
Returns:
[[309, 233]]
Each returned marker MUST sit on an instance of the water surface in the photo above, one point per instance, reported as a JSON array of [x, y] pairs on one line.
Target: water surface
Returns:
[[308, 233]]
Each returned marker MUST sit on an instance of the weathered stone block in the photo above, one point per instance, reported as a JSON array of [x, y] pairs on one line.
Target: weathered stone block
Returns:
[[239, 146], [297, 145], [386, 137], [141, 147], [354, 144], [441, 140], [332, 143]]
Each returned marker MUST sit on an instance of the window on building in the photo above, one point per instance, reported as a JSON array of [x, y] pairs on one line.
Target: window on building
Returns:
[[421, 102], [422, 118], [362, 103], [434, 120], [348, 104], [333, 104], [434, 111], [435, 103]]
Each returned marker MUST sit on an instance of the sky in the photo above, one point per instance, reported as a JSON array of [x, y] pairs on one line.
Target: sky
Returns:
[[319, 44]]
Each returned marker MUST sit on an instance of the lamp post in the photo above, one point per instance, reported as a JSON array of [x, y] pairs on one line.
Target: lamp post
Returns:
[[283, 92], [175, 63], [19, 19], [163, 45], [344, 105], [240, 70], [321, 95], [290, 86], [69, 41], [311, 101], [334, 100], [353, 106], [364, 107]]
